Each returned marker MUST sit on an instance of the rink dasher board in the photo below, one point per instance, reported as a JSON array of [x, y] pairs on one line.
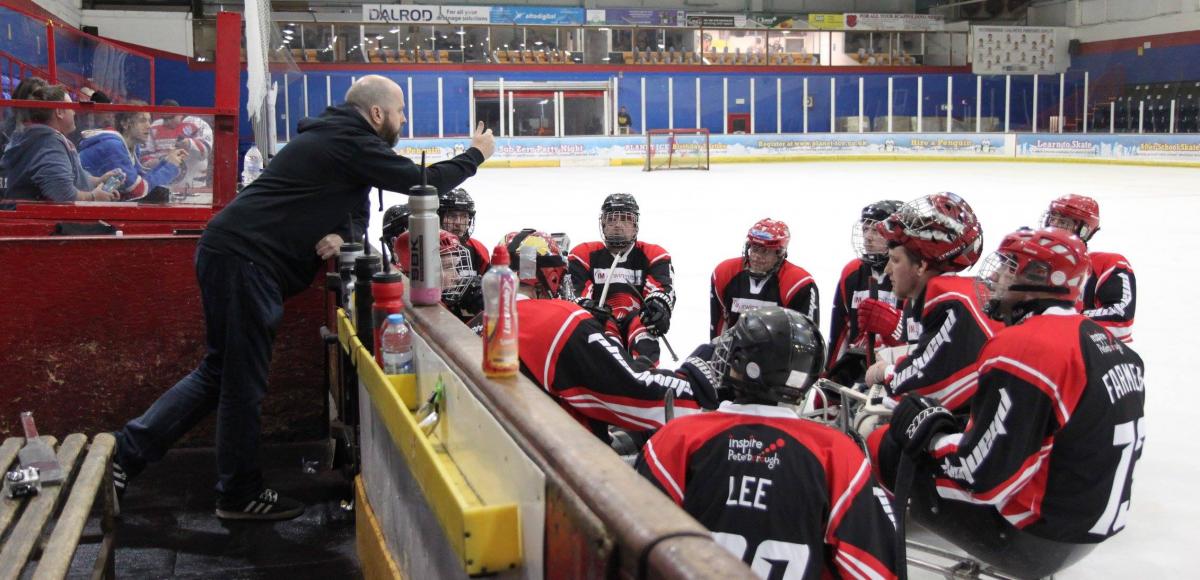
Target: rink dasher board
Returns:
[[1156, 149]]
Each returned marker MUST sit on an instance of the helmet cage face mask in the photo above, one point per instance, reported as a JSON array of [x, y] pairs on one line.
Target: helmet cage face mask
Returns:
[[750, 248], [759, 366], [996, 275], [611, 224], [457, 272], [870, 246], [456, 216]]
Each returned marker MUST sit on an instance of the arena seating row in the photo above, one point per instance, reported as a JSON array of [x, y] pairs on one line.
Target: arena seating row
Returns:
[[1152, 104]]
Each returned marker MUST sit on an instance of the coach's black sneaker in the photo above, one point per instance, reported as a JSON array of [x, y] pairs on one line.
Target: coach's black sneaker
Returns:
[[269, 505]]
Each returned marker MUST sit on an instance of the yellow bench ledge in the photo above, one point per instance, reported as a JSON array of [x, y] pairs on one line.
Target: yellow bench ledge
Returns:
[[487, 538]]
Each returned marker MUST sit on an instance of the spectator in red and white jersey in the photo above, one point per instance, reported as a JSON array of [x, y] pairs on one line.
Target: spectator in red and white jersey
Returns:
[[862, 278], [1110, 296], [792, 498], [1043, 471], [929, 239], [190, 133], [762, 276], [569, 353]]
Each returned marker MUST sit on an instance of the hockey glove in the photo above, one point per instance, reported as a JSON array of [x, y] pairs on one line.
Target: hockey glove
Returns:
[[704, 352], [601, 312], [916, 421], [878, 317], [656, 313], [471, 300], [703, 378]]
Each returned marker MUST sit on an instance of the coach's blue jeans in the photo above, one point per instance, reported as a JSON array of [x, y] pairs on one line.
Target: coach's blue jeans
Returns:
[[242, 310]]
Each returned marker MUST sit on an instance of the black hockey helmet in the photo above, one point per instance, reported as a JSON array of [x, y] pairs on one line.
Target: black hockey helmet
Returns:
[[772, 354], [457, 199], [873, 251], [619, 206], [395, 221]]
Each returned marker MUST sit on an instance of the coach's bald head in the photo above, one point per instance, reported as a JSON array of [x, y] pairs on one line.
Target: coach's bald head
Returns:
[[381, 102]]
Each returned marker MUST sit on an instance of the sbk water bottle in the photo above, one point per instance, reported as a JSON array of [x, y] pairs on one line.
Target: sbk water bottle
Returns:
[[396, 346]]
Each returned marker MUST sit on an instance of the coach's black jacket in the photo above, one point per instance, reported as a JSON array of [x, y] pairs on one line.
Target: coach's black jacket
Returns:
[[311, 187]]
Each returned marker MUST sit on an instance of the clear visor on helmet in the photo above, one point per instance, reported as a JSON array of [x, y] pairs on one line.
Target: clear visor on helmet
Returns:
[[619, 228], [457, 273], [761, 261], [869, 244]]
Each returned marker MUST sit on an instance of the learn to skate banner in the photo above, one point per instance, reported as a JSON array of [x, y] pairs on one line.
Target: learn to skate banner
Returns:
[[1171, 148]]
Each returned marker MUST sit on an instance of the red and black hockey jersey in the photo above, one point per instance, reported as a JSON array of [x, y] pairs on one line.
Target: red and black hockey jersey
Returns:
[[1055, 430], [948, 329], [735, 291], [1110, 295], [481, 259], [565, 350], [645, 270], [854, 287], [792, 498]]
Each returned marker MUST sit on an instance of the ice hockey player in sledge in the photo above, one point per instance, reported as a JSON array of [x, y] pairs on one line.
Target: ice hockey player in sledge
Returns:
[[640, 295], [929, 239], [847, 343], [1110, 295], [461, 290], [762, 276], [456, 210], [1044, 469], [791, 497], [569, 354]]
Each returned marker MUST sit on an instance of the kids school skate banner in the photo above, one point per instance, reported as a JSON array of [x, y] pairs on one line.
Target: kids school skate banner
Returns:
[[1159, 148], [626, 149]]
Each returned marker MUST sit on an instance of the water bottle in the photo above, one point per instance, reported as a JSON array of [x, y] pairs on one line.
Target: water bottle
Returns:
[[114, 180], [396, 346], [387, 288], [252, 165], [365, 267], [500, 317], [424, 241]]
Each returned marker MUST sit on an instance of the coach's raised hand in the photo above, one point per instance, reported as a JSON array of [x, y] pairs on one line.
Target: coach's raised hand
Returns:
[[483, 140]]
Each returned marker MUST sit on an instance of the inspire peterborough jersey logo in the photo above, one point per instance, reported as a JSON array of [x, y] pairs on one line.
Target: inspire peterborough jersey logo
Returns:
[[753, 450]]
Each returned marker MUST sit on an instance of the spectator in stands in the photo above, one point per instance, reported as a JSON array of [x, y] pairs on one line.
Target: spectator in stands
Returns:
[[624, 121], [119, 147], [17, 117], [42, 164], [86, 121], [190, 133]]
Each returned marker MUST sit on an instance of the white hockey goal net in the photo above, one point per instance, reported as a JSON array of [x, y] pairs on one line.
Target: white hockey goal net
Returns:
[[676, 149]]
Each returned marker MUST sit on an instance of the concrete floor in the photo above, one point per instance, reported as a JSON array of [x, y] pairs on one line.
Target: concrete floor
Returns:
[[168, 530]]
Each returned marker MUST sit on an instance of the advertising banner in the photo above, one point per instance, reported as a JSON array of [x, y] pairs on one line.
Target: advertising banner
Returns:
[[827, 21], [414, 13], [894, 22], [537, 15], [716, 20], [744, 147], [627, 16], [1019, 50], [1178, 148]]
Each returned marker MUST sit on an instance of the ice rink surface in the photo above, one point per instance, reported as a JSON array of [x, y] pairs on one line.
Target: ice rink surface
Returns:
[[1149, 214]]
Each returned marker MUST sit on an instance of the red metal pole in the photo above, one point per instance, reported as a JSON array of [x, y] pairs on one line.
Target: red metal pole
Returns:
[[153, 81], [52, 66], [228, 81]]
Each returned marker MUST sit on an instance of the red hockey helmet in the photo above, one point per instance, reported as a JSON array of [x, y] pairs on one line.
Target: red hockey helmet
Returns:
[[940, 228], [766, 234], [546, 269], [1082, 211], [1050, 260]]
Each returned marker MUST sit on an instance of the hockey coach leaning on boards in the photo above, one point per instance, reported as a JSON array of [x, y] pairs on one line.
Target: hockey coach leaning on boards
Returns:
[[266, 246]]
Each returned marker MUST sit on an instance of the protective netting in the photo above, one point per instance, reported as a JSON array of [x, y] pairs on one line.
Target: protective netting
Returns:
[[676, 149]]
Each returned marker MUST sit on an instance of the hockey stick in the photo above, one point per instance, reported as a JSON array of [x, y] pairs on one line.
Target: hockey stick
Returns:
[[617, 259], [667, 343], [873, 294]]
